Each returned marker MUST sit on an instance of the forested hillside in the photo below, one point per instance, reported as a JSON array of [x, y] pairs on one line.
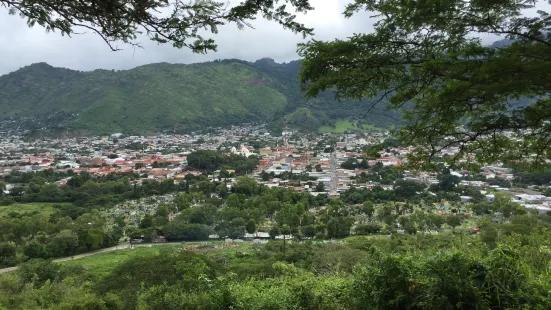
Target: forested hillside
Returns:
[[145, 99], [324, 109], [168, 97]]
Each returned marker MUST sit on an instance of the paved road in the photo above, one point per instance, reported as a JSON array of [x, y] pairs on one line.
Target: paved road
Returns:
[[115, 248], [334, 178]]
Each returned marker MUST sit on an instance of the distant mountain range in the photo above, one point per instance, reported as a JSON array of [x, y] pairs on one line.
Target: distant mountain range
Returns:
[[168, 98], [176, 98]]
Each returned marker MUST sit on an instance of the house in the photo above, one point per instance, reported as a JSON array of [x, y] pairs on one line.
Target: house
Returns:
[[257, 235], [266, 151], [541, 208], [529, 199]]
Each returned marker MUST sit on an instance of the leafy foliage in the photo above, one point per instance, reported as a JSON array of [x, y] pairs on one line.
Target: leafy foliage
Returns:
[[211, 160], [426, 59], [505, 266], [323, 108], [180, 25]]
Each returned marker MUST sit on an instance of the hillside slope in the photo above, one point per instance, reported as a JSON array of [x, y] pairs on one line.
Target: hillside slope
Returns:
[[170, 98], [150, 98], [324, 107]]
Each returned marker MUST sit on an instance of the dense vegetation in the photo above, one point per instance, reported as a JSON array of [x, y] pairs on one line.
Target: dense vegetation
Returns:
[[67, 219], [324, 109], [400, 272], [73, 220], [210, 161], [168, 97], [427, 59]]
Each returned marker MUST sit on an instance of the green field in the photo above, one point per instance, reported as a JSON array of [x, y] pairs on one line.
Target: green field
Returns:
[[346, 125], [104, 262], [44, 208]]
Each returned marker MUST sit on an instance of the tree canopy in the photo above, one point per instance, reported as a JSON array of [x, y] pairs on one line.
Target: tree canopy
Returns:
[[427, 59], [177, 22]]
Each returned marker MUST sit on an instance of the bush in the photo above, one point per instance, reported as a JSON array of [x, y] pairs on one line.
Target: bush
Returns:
[[181, 231], [6, 201], [368, 229]]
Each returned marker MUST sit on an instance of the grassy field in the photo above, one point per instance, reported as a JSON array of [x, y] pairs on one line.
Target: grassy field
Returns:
[[104, 262], [44, 208], [346, 125]]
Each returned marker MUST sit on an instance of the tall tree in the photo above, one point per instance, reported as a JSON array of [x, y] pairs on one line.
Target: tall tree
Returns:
[[251, 226], [177, 22], [320, 187], [427, 59]]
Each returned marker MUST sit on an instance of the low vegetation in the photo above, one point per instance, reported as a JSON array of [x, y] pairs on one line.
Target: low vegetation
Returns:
[[402, 271]]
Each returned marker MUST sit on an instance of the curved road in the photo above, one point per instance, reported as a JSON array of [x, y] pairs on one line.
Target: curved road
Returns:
[[114, 248]]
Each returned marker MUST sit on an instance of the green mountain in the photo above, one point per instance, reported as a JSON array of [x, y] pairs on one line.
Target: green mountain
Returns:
[[168, 98], [323, 110]]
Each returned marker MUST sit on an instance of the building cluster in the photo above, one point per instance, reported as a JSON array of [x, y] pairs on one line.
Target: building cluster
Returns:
[[319, 164], [149, 157]]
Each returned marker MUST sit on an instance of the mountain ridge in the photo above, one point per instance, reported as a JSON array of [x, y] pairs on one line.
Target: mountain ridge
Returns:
[[162, 97], [174, 97]]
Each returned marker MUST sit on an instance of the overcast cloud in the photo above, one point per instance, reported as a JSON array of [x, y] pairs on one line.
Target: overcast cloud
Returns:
[[21, 45]]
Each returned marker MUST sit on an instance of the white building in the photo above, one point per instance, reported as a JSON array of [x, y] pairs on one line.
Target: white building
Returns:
[[243, 151]]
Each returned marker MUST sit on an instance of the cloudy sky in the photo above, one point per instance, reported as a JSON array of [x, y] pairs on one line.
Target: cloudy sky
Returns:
[[21, 45]]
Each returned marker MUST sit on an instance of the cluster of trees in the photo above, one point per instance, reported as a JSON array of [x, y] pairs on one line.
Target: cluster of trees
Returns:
[[353, 163], [376, 173], [207, 160], [65, 232], [380, 174], [76, 224], [246, 206], [84, 189], [403, 191], [244, 209], [540, 177], [49, 175], [501, 203]]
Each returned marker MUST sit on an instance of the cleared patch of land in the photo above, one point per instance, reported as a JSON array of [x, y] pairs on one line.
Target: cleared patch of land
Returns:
[[103, 263], [29, 208], [346, 125]]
